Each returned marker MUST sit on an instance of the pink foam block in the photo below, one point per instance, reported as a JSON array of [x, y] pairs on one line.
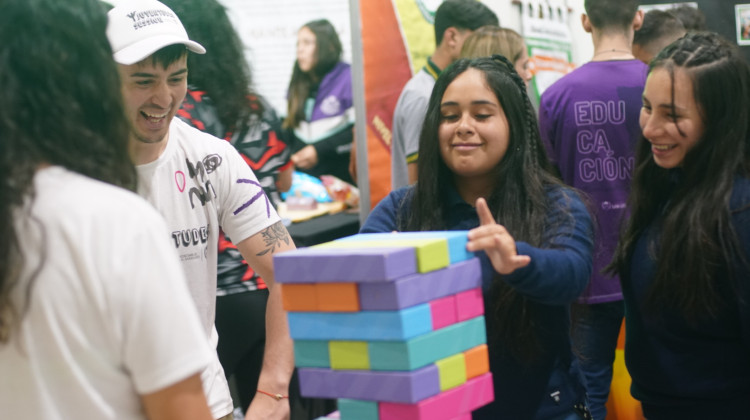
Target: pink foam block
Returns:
[[469, 304], [447, 405], [443, 312]]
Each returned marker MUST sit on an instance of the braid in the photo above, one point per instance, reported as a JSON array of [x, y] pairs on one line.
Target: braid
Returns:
[[697, 50], [511, 71], [537, 157]]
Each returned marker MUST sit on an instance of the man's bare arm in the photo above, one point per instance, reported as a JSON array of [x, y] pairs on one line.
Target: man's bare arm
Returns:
[[278, 358]]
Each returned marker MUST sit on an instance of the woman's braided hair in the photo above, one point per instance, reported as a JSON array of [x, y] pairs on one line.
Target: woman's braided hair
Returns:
[[693, 265], [518, 200]]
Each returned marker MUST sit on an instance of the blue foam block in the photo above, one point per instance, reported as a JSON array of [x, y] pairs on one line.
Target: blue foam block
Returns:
[[332, 265], [361, 326], [427, 348], [456, 240], [420, 288]]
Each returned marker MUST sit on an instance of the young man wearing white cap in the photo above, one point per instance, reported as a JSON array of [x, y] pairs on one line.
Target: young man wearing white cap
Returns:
[[199, 184]]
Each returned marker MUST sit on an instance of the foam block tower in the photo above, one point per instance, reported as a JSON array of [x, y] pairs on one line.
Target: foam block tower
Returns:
[[391, 325]]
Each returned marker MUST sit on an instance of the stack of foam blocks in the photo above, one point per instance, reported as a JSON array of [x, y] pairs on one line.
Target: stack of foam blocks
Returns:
[[391, 325]]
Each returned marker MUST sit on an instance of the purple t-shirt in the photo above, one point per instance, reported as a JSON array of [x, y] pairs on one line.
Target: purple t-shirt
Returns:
[[589, 122]]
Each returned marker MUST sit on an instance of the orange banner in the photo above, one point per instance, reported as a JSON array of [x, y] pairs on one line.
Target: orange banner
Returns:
[[386, 71]]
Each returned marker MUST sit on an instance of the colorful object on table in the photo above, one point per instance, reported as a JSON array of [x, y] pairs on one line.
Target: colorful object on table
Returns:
[[305, 185], [300, 203], [390, 324]]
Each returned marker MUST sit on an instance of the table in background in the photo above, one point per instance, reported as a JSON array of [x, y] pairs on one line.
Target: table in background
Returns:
[[324, 228]]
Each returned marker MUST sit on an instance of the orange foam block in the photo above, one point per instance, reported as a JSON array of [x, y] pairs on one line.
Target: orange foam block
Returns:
[[337, 297], [447, 405], [299, 297], [320, 297], [477, 361]]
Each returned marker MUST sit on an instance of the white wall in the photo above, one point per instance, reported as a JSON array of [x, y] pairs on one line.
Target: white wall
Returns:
[[269, 31], [510, 17]]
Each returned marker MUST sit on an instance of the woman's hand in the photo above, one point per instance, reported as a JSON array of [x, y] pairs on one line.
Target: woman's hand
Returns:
[[495, 241], [305, 158]]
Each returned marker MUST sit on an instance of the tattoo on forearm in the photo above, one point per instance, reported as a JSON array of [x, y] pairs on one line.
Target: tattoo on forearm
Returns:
[[273, 236]]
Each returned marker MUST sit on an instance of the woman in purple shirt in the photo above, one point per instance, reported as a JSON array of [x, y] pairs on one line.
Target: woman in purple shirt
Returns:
[[320, 113]]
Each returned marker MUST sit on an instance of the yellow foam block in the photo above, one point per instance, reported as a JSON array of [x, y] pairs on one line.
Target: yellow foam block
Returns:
[[452, 371], [432, 253], [349, 355]]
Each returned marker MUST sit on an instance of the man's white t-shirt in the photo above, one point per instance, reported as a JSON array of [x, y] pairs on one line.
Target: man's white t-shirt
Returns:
[[200, 184], [110, 317]]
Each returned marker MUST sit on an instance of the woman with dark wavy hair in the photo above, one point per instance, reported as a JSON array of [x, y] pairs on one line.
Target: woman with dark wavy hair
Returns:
[[95, 317], [320, 105], [482, 167], [684, 255]]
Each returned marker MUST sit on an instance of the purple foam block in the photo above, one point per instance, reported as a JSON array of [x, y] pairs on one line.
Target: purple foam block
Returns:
[[420, 288], [313, 265], [398, 386]]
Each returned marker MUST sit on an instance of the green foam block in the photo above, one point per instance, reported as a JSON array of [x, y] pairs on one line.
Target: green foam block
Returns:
[[358, 409], [311, 353]]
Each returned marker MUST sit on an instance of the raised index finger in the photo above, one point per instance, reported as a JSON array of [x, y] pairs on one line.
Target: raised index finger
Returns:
[[483, 211]]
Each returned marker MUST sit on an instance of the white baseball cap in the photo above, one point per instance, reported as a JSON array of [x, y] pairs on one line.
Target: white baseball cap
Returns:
[[137, 29]]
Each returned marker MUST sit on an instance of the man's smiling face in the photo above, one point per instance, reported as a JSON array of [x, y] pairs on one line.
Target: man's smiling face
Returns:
[[152, 96]]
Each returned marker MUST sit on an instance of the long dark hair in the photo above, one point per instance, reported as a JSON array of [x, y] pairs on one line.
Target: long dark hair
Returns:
[[696, 241], [223, 73], [60, 105], [518, 200], [327, 55]]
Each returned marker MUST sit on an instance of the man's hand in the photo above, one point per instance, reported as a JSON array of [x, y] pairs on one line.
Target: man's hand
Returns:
[[264, 407], [494, 239]]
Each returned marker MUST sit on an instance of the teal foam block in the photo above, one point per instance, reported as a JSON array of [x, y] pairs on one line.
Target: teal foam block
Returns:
[[456, 240], [311, 353], [343, 265], [420, 288], [427, 348], [361, 326], [358, 409]]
